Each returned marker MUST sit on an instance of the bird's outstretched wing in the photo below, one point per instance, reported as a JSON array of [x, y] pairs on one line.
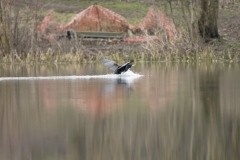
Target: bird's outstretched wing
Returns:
[[109, 64]]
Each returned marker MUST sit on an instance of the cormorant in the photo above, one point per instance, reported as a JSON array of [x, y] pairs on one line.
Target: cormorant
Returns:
[[114, 66]]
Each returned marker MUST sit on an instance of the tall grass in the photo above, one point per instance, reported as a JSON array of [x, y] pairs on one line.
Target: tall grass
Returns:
[[78, 56]]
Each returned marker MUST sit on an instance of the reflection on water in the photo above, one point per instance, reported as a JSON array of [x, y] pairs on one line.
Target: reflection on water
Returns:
[[174, 111]]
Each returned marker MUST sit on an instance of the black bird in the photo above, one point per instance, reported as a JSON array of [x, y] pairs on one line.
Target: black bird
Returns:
[[114, 66]]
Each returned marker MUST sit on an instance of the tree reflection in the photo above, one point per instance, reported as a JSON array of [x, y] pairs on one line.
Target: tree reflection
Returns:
[[173, 112], [211, 131]]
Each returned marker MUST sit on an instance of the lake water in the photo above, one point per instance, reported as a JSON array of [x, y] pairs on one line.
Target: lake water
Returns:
[[159, 111]]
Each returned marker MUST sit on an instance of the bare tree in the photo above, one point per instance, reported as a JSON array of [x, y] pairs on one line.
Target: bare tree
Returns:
[[4, 39]]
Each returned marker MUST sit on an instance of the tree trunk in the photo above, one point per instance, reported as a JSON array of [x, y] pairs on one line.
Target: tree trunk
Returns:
[[207, 23], [4, 39]]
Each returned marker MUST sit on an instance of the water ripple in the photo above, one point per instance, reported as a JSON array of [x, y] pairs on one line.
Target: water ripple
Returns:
[[127, 75]]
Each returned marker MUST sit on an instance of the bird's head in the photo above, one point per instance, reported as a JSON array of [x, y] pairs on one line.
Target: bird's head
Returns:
[[131, 61]]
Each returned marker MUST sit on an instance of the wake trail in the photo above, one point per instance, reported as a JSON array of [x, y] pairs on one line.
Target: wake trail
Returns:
[[127, 75]]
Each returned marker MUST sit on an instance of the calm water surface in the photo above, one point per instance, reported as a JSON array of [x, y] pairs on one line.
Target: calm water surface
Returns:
[[70, 112]]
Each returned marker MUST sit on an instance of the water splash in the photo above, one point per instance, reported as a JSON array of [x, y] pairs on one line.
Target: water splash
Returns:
[[126, 75]]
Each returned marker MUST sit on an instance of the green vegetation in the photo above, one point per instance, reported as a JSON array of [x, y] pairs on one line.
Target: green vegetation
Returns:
[[24, 44], [63, 17], [133, 12]]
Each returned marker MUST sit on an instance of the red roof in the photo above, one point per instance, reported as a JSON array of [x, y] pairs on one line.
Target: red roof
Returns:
[[46, 21], [97, 18], [156, 19]]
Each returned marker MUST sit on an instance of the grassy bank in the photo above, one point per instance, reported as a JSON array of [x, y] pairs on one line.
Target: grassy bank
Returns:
[[26, 48], [51, 56]]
